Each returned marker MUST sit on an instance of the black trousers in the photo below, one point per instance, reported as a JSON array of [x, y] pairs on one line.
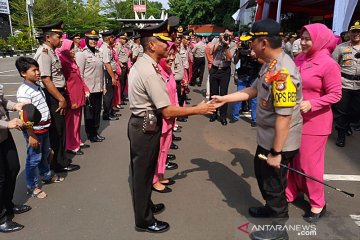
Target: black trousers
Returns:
[[92, 125], [272, 182], [219, 84], [57, 132], [108, 97], [198, 70], [144, 151], [9, 169], [347, 110], [181, 96], [123, 77]]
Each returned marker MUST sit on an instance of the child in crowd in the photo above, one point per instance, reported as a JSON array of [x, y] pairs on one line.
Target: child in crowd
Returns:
[[37, 136]]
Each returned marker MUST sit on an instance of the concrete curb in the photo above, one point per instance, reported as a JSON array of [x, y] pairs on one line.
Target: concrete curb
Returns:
[[17, 55]]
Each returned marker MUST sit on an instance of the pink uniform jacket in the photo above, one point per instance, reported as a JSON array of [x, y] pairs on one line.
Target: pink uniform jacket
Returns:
[[321, 81], [75, 85]]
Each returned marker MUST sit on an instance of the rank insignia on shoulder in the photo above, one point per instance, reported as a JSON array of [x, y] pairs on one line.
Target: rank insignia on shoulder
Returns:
[[272, 64], [347, 50], [157, 70]]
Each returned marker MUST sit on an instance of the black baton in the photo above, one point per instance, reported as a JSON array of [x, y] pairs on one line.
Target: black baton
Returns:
[[263, 157]]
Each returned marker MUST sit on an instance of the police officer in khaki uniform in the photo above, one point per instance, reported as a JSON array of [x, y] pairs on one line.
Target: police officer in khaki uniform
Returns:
[[123, 61], [108, 60], [199, 61], [149, 102], [92, 71], [347, 109], [136, 49], [53, 82], [76, 39], [279, 122]]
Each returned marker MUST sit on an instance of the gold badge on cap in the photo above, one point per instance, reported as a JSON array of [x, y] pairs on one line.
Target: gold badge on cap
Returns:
[[125, 34], [93, 32], [357, 23], [180, 29]]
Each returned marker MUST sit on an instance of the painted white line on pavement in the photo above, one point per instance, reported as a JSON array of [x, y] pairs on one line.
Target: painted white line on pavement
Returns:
[[8, 71], [335, 177], [12, 83], [357, 218], [11, 95], [9, 75]]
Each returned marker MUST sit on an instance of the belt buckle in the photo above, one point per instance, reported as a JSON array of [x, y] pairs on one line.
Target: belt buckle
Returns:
[[219, 68]]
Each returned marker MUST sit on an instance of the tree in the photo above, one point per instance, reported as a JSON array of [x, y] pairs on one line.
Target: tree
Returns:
[[18, 14], [218, 12]]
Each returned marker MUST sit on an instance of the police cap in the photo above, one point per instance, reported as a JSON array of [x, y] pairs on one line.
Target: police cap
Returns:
[[71, 37], [355, 25], [264, 28], [92, 34], [160, 31], [122, 35], [30, 115], [56, 28], [107, 33]]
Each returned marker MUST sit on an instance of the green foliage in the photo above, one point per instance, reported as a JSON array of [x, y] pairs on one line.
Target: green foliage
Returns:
[[21, 41], [3, 45], [216, 12]]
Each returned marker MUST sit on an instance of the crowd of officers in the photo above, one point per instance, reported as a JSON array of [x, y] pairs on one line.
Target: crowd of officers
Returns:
[[114, 67]]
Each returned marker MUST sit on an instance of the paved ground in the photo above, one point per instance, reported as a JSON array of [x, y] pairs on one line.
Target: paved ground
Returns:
[[215, 186]]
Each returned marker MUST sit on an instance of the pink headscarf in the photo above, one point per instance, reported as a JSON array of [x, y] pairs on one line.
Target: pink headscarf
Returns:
[[162, 62], [82, 43], [322, 37], [64, 54]]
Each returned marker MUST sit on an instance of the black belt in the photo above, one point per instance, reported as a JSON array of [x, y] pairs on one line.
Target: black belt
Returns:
[[351, 77], [220, 68]]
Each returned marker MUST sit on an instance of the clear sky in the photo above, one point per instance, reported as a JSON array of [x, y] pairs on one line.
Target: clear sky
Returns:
[[164, 3]]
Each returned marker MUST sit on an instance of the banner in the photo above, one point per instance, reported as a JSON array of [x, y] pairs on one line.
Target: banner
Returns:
[[139, 8], [4, 7]]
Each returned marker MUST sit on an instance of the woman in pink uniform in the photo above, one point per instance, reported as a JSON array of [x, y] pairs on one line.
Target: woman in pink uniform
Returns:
[[159, 182], [76, 90], [321, 80]]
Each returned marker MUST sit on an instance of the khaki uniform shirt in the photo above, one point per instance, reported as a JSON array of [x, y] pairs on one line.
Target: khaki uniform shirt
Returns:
[[344, 54], [107, 56], [281, 97], [147, 89], [50, 65], [178, 68], [121, 51], [91, 69], [137, 50], [4, 118], [199, 49], [184, 53]]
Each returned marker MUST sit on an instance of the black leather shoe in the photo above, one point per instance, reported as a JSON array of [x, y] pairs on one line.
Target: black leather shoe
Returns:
[[311, 217], [119, 107], [78, 152], [123, 103], [259, 212], [192, 84], [171, 157], [349, 132], [68, 168], [115, 115], [170, 182], [175, 138], [10, 226], [340, 141], [95, 139], [181, 119], [171, 166], [224, 122], [174, 146], [253, 124], [269, 235], [198, 84], [83, 146], [158, 208], [100, 137], [178, 130], [179, 127], [165, 190], [110, 118], [213, 118], [116, 109], [157, 227], [19, 209]]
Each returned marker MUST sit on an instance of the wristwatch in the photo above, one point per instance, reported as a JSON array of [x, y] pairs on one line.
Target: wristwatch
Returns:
[[274, 153]]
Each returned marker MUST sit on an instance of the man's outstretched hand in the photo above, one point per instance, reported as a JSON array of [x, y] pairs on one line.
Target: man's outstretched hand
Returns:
[[205, 108], [217, 101]]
